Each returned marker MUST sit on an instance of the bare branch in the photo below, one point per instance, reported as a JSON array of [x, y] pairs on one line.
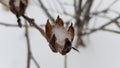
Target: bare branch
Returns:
[[114, 20], [29, 54], [75, 6], [103, 27], [112, 4], [62, 7], [34, 60], [109, 30], [31, 22], [16, 25], [65, 61], [28, 46], [45, 10], [8, 25]]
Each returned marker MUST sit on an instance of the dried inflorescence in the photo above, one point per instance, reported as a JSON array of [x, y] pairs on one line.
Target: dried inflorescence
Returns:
[[18, 7], [59, 38]]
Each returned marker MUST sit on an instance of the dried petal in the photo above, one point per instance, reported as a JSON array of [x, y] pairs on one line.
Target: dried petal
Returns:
[[67, 47], [59, 22], [52, 43], [48, 30], [71, 31]]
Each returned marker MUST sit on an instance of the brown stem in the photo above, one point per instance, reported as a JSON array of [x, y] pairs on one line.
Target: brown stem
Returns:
[[65, 61], [29, 53], [45, 10], [28, 46], [31, 22], [34, 60]]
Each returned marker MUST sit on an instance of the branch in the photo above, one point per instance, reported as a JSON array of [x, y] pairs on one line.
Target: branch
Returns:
[[115, 1], [32, 23], [28, 46], [103, 27], [109, 30], [65, 61], [16, 25], [8, 25], [63, 9], [34, 60], [113, 20], [45, 10], [75, 6], [29, 54]]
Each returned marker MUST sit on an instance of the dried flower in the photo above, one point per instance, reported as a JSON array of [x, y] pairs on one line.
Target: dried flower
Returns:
[[18, 7], [59, 38]]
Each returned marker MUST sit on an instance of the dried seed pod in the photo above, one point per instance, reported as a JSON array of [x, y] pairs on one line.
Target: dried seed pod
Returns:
[[59, 38], [18, 7]]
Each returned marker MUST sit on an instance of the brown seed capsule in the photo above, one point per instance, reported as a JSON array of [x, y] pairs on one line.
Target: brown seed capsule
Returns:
[[59, 38], [18, 7]]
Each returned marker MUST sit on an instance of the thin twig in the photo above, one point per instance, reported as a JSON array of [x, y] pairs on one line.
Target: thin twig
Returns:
[[96, 9], [31, 22], [113, 20], [8, 25], [65, 61], [16, 25], [115, 1], [28, 46], [103, 27], [45, 10], [63, 9], [34, 60], [75, 6], [29, 54], [110, 30]]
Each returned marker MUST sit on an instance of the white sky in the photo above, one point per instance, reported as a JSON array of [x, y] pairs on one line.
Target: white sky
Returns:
[[102, 51]]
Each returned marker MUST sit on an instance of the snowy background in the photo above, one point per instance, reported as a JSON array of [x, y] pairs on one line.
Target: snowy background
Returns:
[[102, 50]]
